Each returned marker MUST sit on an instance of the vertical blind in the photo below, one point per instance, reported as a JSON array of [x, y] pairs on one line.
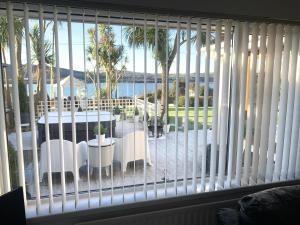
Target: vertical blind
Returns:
[[248, 134]]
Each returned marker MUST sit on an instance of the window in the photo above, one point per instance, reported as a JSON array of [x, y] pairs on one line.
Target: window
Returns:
[[104, 107]]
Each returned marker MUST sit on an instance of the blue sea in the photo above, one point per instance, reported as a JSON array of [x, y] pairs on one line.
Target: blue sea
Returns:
[[124, 89]]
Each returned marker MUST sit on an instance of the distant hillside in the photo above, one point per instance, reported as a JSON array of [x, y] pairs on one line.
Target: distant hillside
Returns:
[[129, 76]]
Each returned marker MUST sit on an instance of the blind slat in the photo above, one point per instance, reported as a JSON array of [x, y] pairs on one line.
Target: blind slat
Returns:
[[214, 145], [32, 112], [274, 104], [224, 107], [266, 104], [259, 102]]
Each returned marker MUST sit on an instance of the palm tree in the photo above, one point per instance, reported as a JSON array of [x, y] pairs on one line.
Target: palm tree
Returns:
[[36, 47], [111, 57], [166, 50]]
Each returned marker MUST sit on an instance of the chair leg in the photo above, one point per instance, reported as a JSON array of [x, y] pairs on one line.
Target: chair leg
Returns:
[[107, 170]]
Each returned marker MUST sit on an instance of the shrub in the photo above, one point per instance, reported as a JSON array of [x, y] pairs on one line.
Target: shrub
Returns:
[[117, 110], [181, 101], [136, 111]]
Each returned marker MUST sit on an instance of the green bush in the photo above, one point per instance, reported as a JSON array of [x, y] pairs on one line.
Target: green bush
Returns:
[[181, 101]]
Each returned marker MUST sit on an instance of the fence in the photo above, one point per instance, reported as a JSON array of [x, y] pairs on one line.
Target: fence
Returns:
[[89, 105]]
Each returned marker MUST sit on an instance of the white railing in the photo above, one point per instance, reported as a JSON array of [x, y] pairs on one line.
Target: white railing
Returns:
[[150, 107], [89, 105]]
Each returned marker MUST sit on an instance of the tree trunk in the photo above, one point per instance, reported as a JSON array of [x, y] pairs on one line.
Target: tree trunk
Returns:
[[40, 87], [108, 86], [52, 70], [19, 58], [165, 86]]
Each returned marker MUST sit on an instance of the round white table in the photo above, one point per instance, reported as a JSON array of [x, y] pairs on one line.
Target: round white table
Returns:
[[107, 153]]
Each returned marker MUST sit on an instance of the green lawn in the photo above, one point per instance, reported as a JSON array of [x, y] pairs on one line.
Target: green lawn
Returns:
[[181, 112]]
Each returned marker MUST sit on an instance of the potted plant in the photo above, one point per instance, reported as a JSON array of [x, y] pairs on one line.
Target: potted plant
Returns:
[[117, 113], [136, 115], [102, 130]]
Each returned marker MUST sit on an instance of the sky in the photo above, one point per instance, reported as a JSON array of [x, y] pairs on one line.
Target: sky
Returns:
[[78, 50]]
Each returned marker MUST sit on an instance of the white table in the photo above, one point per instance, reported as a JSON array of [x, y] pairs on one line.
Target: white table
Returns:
[[107, 153]]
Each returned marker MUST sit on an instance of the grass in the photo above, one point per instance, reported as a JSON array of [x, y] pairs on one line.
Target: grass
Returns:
[[181, 113], [191, 110]]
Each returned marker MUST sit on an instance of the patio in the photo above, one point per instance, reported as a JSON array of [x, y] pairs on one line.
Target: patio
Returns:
[[166, 162]]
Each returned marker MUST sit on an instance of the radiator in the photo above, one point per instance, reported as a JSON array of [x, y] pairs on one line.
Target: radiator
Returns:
[[203, 214]]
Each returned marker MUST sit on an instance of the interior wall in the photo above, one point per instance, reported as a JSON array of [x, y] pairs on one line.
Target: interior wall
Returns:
[[287, 10]]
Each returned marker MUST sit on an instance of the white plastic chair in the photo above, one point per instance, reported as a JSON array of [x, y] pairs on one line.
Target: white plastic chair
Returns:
[[81, 149], [131, 153]]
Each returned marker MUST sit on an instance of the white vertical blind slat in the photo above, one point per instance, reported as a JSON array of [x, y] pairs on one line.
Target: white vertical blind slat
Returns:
[[110, 119], [86, 110], [155, 100], [241, 124], [16, 105], [145, 108], [196, 108], [275, 97], [74, 139], [6, 185], [224, 107], [177, 96], [259, 102], [266, 104], [295, 125], [235, 57], [297, 170], [60, 127], [134, 147], [281, 165], [205, 104], [166, 106], [98, 90], [44, 83], [215, 122], [186, 111], [32, 111], [251, 104]]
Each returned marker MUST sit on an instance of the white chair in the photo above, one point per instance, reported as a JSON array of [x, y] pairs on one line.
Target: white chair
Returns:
[[81, 149], [133, 146]]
